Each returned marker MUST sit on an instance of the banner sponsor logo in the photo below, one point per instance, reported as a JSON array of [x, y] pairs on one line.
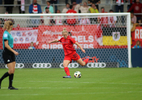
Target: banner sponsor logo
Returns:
[[18, 65], [96, 65], [41, 65], [138, 34], [71, 65], [116, 36], [24, 36], [84, 36], [60, 65]]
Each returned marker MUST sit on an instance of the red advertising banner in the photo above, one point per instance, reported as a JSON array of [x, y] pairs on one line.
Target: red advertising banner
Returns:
[[83, 34], [137, 35], [88, 36]]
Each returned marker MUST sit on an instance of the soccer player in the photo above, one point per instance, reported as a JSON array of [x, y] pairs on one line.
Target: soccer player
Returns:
[[8, 54], [70, 52]]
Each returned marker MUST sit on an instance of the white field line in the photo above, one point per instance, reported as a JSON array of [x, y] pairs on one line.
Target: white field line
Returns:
[[87, 82], [37, 88], [70, 93]]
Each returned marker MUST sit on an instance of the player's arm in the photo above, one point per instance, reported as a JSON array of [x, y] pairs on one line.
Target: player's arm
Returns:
[[80, 47], [54, 41], [9, 48]]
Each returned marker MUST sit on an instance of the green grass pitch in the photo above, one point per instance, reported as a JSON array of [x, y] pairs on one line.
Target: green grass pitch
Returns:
[[95, 84]]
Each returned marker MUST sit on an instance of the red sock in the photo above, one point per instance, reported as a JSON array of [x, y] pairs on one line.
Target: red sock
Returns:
[[86, 60], [67, 71]]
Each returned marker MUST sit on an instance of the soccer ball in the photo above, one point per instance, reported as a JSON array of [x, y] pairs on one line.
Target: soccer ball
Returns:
[[77, 74]]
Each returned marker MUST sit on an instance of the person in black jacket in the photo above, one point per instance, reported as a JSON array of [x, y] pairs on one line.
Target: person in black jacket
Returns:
[[9, 8]]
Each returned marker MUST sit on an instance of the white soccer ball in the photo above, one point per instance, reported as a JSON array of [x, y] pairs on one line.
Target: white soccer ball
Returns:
[[77, 74]]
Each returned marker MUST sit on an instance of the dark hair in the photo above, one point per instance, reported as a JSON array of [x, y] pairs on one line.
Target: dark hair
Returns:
[[48, 1], [70, 33], [47, 8], [110, 10], [93, 4], [102, 8], [67, 4], [71, 6], [10, 24]]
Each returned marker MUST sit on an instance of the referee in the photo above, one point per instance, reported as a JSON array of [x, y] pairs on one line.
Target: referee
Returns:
[[8, 54]]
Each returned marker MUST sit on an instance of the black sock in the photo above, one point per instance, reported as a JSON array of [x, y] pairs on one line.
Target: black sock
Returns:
[[10, 80], [4, 76]]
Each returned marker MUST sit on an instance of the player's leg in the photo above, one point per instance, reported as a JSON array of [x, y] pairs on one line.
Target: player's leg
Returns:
[[77, 58], [3, 77], [11, 67], [81, 62], [6, 59], [65, 64]]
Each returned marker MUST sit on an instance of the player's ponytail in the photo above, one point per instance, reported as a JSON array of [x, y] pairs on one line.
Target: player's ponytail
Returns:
[[64, 31], [7, 25]]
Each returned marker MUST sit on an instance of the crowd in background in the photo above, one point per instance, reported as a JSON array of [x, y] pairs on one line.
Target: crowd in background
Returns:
[[79, 6]]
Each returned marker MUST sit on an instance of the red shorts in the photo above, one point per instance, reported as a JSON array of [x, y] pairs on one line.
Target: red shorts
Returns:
[[74, 56]]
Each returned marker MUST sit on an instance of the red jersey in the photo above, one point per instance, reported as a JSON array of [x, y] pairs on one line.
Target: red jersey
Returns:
[[136, 7], [71, 19], [68, 45]]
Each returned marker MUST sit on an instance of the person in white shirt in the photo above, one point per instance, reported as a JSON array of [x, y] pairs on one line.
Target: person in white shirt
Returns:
[[66, 8], [58, 19], [84, 8], [77, 6], [47, 19], [112, 20]]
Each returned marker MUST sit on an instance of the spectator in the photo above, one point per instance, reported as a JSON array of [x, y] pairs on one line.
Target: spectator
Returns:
[[69, 33], [137, 8], [96, 2], [103, 10], [133, 18], [112, 20], [9, 8], [140, 22], [35, 7], [84, 21], [1, 22], [66, 8], [31, 46], [47, 19], [21, 8], [103, 20], [84, 8], [71, 20], [54, 2], [58, 19], [77, 6], [119, 5], [50, 7], [93, 9], [131, 2], [138, 44]]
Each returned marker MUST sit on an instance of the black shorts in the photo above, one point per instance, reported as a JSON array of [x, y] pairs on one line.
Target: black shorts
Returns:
[[8, 56]]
